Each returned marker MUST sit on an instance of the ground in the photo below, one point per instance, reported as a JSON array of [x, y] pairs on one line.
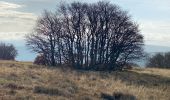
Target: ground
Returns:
[[25, 81]]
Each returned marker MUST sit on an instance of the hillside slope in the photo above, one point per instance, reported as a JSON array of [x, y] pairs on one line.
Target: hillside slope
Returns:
[[25, 81]]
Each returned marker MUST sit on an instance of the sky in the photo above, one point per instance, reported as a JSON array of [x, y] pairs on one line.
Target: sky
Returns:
[[18, 17]]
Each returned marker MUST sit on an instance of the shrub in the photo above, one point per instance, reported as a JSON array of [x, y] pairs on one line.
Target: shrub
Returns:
[[51, 91], [43, 90], [127, 67], [159, 60], [7, 52], [118, 96], [13, 86], [40, 60]]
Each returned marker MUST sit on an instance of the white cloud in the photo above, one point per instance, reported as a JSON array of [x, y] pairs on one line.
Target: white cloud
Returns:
[[14, 23], [16, 14], [156, 32], [7, 6], [11, 36], [9, 10]]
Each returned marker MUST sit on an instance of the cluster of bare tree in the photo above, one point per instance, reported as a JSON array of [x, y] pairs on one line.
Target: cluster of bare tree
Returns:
[[159, 60], [7, 52], [91, 36]]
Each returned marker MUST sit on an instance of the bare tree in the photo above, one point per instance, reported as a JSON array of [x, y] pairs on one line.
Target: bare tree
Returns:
[[7, 52], [93, 36], [45, 38], [159, 60]]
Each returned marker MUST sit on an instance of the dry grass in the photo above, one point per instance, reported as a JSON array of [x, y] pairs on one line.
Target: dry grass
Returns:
[[155, 71], [25, 81]]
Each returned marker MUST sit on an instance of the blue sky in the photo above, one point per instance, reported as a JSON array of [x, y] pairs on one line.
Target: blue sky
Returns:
[[18, 17]]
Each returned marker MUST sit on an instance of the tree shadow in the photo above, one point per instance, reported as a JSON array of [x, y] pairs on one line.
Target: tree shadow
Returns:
[[144, 79], [118, 96]]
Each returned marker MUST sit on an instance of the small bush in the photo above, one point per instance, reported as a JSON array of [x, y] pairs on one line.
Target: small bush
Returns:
[[127, 67], [40, 60], [53, 91], [27, 97], [118, 96], [14, 86], [12, 92], [44, 90]]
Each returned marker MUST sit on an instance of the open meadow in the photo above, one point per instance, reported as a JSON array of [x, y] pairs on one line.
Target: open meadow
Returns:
[[25, 81]]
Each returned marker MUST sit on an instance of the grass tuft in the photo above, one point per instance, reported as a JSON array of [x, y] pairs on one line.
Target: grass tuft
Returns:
[[44, 90]]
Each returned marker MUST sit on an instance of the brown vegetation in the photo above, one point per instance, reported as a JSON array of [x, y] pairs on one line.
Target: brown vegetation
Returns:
[[40, 60], [25, 81]]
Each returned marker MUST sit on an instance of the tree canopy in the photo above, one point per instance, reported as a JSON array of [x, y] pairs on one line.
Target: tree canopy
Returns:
[[95, 36], [7, 52], [159, 60]]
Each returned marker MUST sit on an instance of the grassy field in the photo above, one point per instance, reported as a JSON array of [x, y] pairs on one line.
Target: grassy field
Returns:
[[25, 81]]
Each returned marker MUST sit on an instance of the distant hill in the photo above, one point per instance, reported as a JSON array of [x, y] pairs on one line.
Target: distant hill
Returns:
[[155, 49]]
